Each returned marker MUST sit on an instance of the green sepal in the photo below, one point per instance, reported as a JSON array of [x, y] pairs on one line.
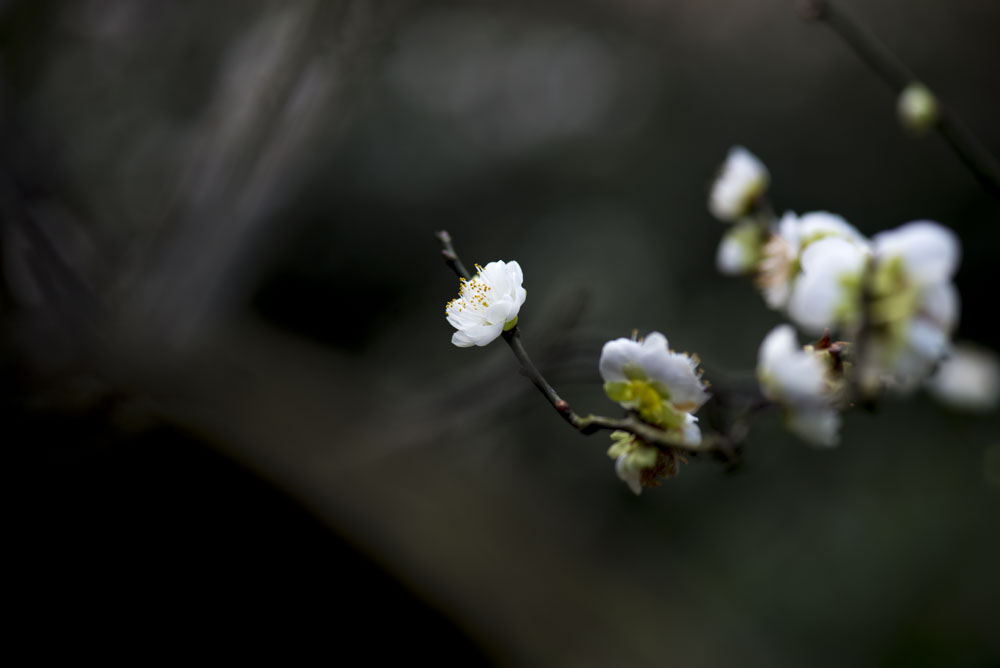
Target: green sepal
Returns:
[[643, 457], [618, 390]]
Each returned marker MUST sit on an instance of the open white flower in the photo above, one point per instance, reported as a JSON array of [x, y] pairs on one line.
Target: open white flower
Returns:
[[781, 255], [662, 386], [800, 380], [914, 306], [968, 379], [487, 304], [742, 179], [827, 293]]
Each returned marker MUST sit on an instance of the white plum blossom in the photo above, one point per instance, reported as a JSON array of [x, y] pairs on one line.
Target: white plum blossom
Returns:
[[487, 304], [827, 292], [914, 306], [968, 379], [800, 380], [780, 261], [664, 387], [742, 179]]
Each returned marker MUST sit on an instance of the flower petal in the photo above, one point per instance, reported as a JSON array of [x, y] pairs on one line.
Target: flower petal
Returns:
[[940, 303], [819, 427], [930, 251], [821, 296], [787, 372], [629, 475], [741, 180], [969, 379], [614, 356], [692, 434]]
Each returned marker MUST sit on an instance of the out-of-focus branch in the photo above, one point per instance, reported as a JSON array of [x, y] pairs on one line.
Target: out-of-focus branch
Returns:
[[897, 76]]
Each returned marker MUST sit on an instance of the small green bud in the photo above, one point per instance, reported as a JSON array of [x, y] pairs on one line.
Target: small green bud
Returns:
[[618, 390], [918, 108]]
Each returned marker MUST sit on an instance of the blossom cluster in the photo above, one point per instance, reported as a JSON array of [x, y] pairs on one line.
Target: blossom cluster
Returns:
[[890, 295], [884, 308]]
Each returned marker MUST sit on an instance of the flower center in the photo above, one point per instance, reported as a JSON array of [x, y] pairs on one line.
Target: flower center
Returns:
[[472, 294], [649, 399]]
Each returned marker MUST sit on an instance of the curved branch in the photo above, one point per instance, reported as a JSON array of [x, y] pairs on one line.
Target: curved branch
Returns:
[[897, 76]]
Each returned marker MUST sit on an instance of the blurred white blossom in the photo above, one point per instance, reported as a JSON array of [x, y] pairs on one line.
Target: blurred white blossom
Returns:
[[801, 381], [968, 379], [780, 261], [662, 386], [914, 306], [742, 179], [487, 304], [827, 293]]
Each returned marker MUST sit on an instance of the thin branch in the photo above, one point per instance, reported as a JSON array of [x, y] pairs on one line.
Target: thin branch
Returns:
[[450, 256], [586, 425], [897, 76]]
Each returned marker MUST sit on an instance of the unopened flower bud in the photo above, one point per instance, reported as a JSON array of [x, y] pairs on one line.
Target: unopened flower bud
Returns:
[[918, 108]]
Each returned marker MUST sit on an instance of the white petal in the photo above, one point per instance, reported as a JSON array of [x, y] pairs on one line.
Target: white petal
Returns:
[[930, 251], [939, 302], [462, 340], [655, 342], [788, 229], [692, 434], [817, 225], [626, 473], [732, 258], [819, 427], [788, 373], [499, 311], [496, 276], [479, 335], [777, 294], [515, 273], [779, 343], [742, 178], [969, 379], [520, 294], [614, 356], [927, 339], [819, 292], [677, 372]]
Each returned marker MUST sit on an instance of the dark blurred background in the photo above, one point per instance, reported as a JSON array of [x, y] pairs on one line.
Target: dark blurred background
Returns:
[[227, 384]]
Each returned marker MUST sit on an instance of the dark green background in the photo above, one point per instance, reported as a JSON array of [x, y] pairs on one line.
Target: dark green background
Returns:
[[217, 240]]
